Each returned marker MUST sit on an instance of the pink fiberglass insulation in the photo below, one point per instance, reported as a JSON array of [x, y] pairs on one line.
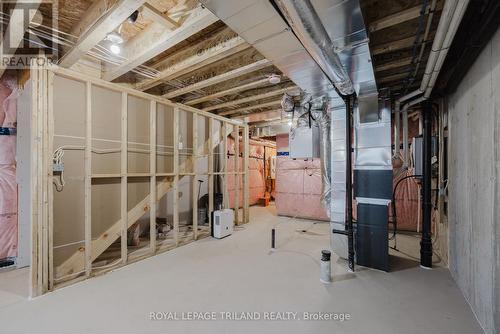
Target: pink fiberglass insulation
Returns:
[[257, 186], [298, 185], [8, 186]]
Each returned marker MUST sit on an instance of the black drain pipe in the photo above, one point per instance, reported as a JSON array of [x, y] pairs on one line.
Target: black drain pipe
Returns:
[[426, 242], [350, 232]]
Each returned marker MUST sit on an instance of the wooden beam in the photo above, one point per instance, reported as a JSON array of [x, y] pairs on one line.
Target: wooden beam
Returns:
[[156, 39], [391, 78], [16, 28], [195, 188], [157, 16], [400, 62], [229, 91], [397, 18], [152, 182], [124, 178], [398, 45], [196, 61], [256, 106], [237, 175], [258, 65], [88, 179], [96, 24], [251, 98], [246, 184]]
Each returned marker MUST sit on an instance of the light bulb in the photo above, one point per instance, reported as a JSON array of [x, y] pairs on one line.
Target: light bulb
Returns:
[[115, 49], [289, 123]]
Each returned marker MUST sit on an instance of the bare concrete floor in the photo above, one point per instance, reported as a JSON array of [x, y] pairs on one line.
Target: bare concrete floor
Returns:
[[240, 274]]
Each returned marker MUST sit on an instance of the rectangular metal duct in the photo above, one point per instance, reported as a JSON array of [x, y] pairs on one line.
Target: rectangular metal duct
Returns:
[[258, 22]]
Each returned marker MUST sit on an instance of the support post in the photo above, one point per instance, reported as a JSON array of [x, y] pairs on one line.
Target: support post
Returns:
[[426, 242], [195, 186], [152, 182], [124, 179], [88, 179], [210, 171], [176, 177], [350, 232], [237, 175], [246, 194]]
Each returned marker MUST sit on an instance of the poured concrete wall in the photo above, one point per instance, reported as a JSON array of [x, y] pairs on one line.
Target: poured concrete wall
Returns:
[[474, 178]]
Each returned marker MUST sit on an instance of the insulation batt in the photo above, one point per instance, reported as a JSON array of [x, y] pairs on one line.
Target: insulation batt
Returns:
[[8, 186], [257, 185], [298, 185]]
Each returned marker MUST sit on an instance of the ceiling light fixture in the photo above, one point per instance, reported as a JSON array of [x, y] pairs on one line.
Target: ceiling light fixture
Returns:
[[274, 79], [115, 48]]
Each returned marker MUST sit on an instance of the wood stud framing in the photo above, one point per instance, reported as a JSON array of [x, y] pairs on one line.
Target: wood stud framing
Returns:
[[43, 272]]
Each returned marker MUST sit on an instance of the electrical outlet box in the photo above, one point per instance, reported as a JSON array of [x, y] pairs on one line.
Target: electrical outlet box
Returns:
[[58, 168]]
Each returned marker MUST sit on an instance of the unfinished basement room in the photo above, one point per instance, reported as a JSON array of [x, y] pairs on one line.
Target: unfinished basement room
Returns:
[[250, 166]]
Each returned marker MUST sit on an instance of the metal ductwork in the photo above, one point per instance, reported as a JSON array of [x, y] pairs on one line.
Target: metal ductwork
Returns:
[[322, 46], [307, 26]]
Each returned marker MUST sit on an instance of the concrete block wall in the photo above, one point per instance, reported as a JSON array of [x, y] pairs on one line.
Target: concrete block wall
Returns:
[[474, 192]]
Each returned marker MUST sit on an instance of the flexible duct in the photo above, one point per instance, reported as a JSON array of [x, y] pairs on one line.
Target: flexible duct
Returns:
[[307, 26]]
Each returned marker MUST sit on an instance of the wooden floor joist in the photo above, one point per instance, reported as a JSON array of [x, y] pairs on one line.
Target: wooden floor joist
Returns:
[[96, 24], [196, 61], [253, 84], [156, 39], [246, 109], [251, 98], [258, 65]]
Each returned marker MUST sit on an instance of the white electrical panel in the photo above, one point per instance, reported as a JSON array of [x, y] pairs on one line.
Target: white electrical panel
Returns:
[[304, 142]]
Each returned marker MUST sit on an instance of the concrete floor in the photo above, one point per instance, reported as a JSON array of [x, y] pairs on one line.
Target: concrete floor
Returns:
[[240, 274]]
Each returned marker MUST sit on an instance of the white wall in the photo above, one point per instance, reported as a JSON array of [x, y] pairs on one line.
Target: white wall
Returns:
[[474, 198]]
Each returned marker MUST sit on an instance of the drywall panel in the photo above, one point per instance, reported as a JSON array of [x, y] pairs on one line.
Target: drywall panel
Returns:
[[164, 139], [69, 134], [138, 135], [106, 134], [473, 186]]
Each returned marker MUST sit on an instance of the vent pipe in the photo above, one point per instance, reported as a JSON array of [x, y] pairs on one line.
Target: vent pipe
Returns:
[[307, 26]]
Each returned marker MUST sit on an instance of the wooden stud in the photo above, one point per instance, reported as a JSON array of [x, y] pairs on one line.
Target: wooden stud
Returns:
[[195, 179], [246, 194], [210, 171], [237, 175], [176, 177], [224, 164], [152, 184], [88, 179], [124, 178], [50, 177]]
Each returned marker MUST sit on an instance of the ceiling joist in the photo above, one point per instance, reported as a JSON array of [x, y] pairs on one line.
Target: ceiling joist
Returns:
[[159, 17], [155, 40], [251, 98], [96, 24], [229, 91], [196, 60], [258, 65], [397, 18], [246, 109]]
